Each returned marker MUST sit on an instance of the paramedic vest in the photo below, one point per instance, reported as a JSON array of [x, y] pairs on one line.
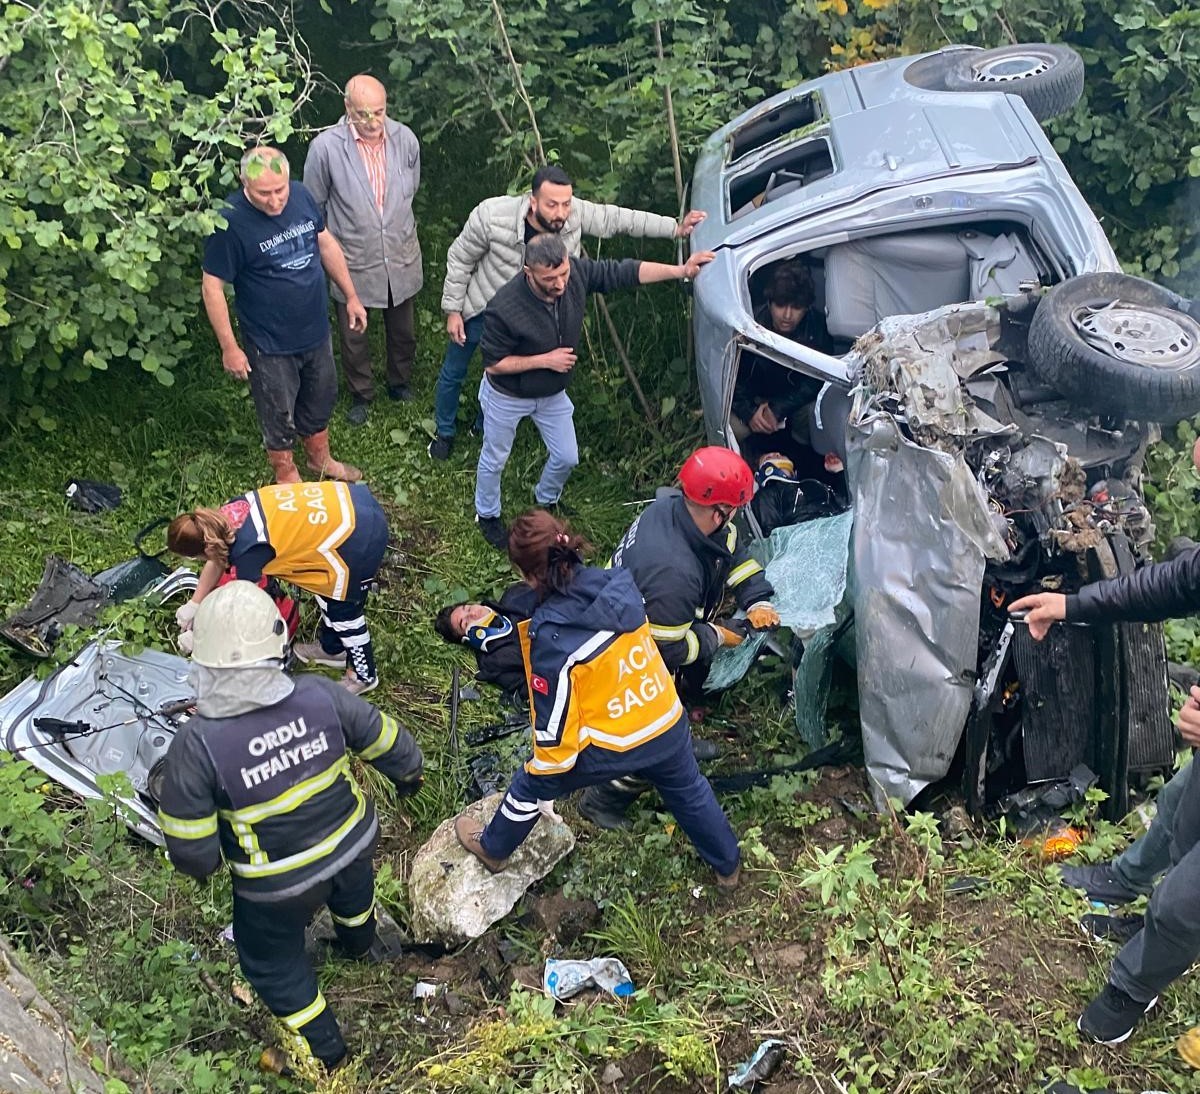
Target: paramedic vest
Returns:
[[613, 692], [304, 523]]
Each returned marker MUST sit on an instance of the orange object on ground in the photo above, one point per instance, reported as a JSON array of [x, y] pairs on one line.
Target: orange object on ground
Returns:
[[1189, 1047]]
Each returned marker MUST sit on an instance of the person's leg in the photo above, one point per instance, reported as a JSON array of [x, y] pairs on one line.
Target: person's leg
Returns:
[[270, 946], [501, 416], [690, 799], [554, 418], [356, 358], [344, 628], [518, 811], [318, 389], [453, 373], [1140, 864], [274, 386], [401, 342], [352, 906]]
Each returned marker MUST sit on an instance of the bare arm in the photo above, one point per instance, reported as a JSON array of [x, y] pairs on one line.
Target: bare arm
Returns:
[[561, 359], [233, 359], [334, 262]]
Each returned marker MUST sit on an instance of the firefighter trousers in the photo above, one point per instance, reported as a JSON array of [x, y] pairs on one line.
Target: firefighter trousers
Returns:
[[270, 942]]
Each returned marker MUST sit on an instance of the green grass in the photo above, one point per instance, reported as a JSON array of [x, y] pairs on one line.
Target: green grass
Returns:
[[842, 941]]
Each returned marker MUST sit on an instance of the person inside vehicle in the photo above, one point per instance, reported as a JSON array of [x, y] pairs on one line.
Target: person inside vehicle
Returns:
[[1161, 945], [328, 538], [259, 778], [490, 631], [767, 396], [603, 702]]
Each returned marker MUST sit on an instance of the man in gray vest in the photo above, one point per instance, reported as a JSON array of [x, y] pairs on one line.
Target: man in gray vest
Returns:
[[363, 172]]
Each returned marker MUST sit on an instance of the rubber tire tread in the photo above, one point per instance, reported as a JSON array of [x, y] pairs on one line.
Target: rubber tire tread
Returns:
[[1047, 94], [1061, 358]]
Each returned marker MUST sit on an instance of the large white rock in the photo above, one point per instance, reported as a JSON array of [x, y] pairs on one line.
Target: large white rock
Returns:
[[452, 896]]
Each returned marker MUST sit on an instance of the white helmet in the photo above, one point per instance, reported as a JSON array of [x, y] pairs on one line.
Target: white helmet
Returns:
[[238, 625]]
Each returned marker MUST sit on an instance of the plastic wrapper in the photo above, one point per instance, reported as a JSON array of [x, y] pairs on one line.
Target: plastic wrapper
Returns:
[[562, 979]]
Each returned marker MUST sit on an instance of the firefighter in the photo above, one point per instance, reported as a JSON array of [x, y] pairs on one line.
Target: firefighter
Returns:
[[684, 555], [602, 703], [326, 537], [260, 777]]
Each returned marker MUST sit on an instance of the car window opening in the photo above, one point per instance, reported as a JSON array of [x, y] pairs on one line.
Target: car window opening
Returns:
[[780, 175], [860, 282], [761, 131]]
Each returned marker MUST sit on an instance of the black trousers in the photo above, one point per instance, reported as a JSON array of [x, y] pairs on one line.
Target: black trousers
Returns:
[[400, 343], [270, 944]]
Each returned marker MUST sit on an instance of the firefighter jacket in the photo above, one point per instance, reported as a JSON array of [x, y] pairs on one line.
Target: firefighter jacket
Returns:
[[308, 533], [1161, 590], [270, 791], [683, 575], [598, 687]]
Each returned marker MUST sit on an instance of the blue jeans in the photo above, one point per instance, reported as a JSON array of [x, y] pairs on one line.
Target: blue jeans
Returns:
[[502, 414], [453, 373]]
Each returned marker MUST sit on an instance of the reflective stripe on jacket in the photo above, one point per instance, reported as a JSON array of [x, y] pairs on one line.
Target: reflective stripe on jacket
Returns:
[[597, 683]]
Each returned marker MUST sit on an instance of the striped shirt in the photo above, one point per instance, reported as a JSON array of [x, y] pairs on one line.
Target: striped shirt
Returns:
[[374, 157]]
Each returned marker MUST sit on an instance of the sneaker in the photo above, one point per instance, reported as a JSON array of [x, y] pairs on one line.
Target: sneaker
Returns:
[[1111, 928], [1112, 1016], [357, 686], [357, 414], [440, 448], [1099, 882], [493, 530], [400, 393], [729, 882], [467, 832], [311, 653]]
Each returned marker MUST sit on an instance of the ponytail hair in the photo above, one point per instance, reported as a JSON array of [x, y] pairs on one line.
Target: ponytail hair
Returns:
[[545, 551], [202, 533]]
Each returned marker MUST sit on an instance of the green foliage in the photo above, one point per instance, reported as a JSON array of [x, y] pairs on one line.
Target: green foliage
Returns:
[[123, 123]]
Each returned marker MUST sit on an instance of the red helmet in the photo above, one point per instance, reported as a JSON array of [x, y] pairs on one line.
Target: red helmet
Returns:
[[716, 476]]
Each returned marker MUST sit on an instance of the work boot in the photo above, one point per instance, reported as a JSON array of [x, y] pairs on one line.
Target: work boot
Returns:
[[467, 832], [283, 465], [605, 806], [728, 882], [1112, 1016], [1099, 882], [316, 448]]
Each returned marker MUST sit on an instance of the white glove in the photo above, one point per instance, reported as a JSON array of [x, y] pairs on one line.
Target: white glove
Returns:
[[185, 642], [185, 613]]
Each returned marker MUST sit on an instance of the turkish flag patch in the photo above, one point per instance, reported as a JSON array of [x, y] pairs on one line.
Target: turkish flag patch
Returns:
[[538, 683]]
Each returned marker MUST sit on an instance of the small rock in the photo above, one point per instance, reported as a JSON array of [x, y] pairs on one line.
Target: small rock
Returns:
[[454, 1004], [611, 1074]]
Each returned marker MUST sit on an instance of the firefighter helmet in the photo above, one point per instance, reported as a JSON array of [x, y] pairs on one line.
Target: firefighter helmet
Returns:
[[716, 476], [238, 625]]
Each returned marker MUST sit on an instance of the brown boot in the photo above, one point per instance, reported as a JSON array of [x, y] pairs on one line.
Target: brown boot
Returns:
[[283, 465], [468, 832], [316, 448]]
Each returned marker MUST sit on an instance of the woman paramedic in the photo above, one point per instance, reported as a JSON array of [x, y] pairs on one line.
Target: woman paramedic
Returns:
[[327, 537], [603, 704]]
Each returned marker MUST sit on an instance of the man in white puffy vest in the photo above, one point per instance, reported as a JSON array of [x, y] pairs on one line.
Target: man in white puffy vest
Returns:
[[490, 251]]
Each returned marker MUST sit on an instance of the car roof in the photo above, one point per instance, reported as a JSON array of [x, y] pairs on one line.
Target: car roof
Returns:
[[881, 130]]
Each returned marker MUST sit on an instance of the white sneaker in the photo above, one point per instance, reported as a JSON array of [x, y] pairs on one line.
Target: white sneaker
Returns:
[[311, 653], [355, 686]]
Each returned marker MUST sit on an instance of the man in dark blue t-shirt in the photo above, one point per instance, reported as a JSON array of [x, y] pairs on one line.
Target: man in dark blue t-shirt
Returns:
[[275, 251]]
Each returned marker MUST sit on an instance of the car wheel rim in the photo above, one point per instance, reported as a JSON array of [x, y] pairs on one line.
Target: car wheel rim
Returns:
[[1004, 70], [1140, 334]]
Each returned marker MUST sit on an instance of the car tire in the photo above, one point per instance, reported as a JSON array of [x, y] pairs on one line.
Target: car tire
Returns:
[[1049, 78], [1119, 345]]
